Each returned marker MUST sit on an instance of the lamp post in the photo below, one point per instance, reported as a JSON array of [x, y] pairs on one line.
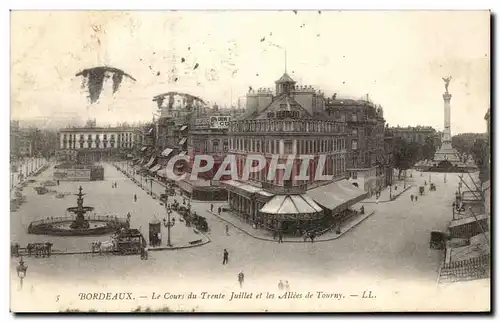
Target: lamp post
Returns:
[[21, 271], [167, 223], [151, 186]]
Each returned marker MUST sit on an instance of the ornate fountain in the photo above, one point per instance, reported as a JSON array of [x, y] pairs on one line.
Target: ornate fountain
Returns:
[[84, 224], [80, 221]]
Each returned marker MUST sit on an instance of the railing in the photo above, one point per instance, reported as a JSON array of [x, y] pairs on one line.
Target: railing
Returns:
[[53, 220], [287, 126], [284, 190]]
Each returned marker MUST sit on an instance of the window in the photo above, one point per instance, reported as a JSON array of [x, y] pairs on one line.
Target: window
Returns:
[[355, 132], [288, 147], [354, 144], [354, 117]]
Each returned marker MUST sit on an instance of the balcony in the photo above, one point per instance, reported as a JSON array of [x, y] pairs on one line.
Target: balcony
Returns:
[[282, 190]]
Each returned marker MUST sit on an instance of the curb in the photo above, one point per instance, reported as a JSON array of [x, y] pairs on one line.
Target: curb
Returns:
[[149, 249], [291, 241], [393, 197]]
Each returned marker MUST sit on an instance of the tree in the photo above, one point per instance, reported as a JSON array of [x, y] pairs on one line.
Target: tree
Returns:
[[480, 152], [429, 148], [404, 155]]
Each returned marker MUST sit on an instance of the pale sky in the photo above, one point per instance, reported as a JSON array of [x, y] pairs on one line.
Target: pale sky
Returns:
[[398, 58]]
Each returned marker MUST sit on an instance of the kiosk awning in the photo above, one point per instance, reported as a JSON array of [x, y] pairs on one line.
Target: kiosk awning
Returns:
[[183, 153], [143, 148], [291, 205], [337, 195], [182, 141]]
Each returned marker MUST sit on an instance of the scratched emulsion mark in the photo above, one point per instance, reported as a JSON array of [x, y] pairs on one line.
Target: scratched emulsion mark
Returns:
[[93, 79]]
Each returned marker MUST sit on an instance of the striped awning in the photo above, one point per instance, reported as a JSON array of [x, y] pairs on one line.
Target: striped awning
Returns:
[[150, 163], [182, 141], [162, 172], [291, 207], [183, 153], [183, 127], [166, 152], [143, 148], [155, 168]]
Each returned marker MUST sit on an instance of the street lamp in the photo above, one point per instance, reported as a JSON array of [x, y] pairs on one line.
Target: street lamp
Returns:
[[167, 223], [21, 271]]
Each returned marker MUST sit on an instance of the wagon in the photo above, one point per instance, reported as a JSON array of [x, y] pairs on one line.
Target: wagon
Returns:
[[438, 240], [130, 242]]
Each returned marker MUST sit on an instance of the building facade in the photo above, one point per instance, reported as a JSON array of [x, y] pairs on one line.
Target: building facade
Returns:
[[93, 144], [367, 163], [417, 134], [289, 122]]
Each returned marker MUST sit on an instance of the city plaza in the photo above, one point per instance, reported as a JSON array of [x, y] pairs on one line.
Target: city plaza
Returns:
[[388, 251]]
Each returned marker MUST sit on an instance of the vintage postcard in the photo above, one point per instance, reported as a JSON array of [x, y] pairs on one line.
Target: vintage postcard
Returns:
[[250, 161]]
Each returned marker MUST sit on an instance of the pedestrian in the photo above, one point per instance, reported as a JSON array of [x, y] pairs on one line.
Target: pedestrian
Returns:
[[135, 197], [241, 278], [280, 285], [411, 197], [305, 236], [225, 257], [57, 182], [218, 210], [275, 234], [211, 207], [287, 286], [377, 201], [395, 188], [280, 240], [312, 236], [416, 197], [183, 200], [425, 182]]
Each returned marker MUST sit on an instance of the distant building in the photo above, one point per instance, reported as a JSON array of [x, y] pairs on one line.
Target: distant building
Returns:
[[93, 144], [417, 134]]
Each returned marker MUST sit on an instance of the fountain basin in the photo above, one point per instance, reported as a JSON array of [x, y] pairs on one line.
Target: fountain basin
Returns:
[[61, 226]]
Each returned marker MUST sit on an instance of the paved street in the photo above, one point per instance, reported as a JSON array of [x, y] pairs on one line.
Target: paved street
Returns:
[[106, 200], [388, 253]]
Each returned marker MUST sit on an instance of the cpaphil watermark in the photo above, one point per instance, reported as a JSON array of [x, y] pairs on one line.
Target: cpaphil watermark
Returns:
[[176, 169]]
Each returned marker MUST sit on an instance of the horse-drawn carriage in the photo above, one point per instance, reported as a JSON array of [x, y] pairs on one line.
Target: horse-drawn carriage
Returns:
[[129, 242], [199, 222], [438, 240], [41, 190]]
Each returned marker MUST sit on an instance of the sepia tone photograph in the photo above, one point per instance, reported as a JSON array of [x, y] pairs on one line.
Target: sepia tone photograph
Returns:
[[250, 161]]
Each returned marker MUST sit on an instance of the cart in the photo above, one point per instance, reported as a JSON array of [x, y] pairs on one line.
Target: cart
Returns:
[[438, 240], [130, 242]]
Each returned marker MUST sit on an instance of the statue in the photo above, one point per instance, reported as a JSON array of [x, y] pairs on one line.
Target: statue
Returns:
[[446, 82]]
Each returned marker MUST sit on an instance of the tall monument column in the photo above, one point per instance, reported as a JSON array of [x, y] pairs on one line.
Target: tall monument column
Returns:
[[447, 121], [446, 151]]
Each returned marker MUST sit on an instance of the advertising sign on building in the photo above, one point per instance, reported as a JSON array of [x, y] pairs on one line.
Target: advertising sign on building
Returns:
[[219, 122]]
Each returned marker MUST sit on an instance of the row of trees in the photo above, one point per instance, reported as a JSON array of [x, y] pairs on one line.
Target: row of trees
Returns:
[[406, 154]]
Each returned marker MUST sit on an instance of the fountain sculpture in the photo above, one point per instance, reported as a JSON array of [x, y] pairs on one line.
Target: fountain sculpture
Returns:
[[81, 225]]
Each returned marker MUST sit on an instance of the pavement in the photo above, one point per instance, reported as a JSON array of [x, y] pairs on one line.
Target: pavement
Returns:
[[387, 253], [106, 200]]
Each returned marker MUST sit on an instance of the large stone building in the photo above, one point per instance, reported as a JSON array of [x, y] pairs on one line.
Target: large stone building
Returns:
[[417, 134], [93, 144], [290, 122], [367, 164]]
